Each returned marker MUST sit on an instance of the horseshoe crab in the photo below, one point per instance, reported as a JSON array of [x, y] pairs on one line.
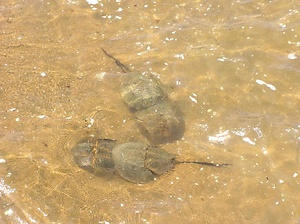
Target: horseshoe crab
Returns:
[[135, 162], [158, 118]]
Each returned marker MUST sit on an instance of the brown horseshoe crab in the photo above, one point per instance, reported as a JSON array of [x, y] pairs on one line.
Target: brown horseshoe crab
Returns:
[[135, 162], [158, 118]]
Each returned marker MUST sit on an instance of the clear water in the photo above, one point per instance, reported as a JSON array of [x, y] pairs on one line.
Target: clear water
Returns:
[[231, 66]]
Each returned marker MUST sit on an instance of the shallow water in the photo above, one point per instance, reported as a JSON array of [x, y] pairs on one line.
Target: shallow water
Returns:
[[232, 68]]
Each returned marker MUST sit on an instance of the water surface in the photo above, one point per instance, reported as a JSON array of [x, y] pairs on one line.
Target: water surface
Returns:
[[232, 67]]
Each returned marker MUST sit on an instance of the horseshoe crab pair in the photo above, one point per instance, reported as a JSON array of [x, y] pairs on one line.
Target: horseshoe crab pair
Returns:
[[135, 162], [158, 118]]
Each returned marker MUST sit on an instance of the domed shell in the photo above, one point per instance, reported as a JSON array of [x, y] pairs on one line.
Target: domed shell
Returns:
[[140, 163], [83, 154], [141, 91], [129, 161], [161, 123], [158, 161], [92, 154]]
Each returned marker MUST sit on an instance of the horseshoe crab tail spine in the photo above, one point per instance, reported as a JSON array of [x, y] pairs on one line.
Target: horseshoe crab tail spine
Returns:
[[124, 68], [204, 163]]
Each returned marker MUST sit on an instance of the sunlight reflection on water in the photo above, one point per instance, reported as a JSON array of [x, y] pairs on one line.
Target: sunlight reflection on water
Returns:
[[232, 67]]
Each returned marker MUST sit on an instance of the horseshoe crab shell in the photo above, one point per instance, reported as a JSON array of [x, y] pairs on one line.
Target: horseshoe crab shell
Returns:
[[158, 161], [91, 154], [83, 154], [129, 160], [140, 163], [141, 91], [103, 153], [161, 123]]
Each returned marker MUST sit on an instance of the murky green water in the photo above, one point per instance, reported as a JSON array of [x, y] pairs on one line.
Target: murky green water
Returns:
[[231, 66]]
